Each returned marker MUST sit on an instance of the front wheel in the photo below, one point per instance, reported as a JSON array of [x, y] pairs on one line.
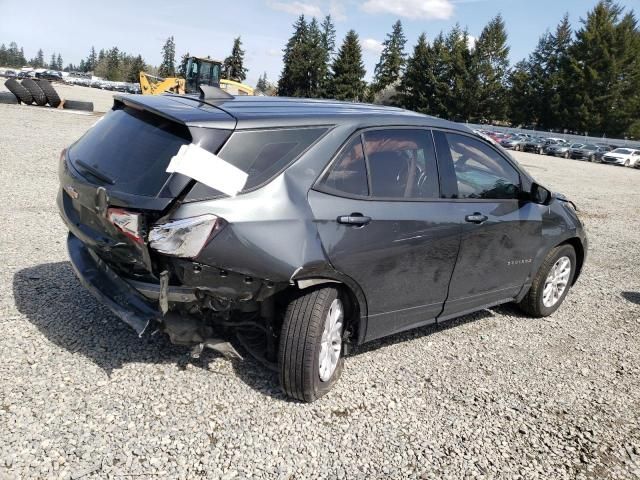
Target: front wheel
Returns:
[[626, 163], [566, 155], [310, 352], [552, 282]]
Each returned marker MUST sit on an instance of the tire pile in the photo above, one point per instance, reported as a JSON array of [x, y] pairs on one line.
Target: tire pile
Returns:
[[39, 92]]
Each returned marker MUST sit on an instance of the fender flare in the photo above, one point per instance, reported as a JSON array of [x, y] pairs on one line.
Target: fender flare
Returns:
[[306, 277]]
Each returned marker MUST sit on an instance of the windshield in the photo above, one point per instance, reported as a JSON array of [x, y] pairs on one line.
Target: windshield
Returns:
[[623, 151], [590, 147], [576, 145]]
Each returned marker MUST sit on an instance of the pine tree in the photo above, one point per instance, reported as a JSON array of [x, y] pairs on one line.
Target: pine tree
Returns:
[[348, 70], [38, 62], [316, 61], [136, 65], [262, 83], [233, 66], [491, 63], [53, 61], [604, 71], [417, 85], [92, 60], [392, 59], [4, 59], [293, 81], [59, 64], [168, 66], [520, 94], [461, 98], [328, 33]]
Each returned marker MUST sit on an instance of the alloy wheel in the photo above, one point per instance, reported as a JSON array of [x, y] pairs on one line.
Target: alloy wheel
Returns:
[[331, 342], [556, 282]]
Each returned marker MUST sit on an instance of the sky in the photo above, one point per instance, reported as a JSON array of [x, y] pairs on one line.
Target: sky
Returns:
[[208, 27]]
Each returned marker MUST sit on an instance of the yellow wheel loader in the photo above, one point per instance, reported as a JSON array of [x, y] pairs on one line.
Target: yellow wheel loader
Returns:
[[200, 71]]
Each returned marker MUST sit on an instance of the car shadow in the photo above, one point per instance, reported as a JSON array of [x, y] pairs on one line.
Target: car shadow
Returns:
[[633, 297], [52, 299]]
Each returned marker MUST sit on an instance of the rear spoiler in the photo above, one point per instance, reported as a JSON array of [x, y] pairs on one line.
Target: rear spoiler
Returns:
[[180, 109]]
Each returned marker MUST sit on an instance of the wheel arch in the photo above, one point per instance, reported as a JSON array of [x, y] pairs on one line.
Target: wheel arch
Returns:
[[578, 247], [357, 303]]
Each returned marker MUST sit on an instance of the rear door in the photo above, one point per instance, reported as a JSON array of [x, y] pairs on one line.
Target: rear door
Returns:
[[501, 232], [382, 223]]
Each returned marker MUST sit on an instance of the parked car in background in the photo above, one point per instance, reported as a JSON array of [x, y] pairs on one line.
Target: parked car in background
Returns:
[[272, 216], [589, 152], [515, 142], [562, 150], [51, 75], [622, 156], [535, 145]]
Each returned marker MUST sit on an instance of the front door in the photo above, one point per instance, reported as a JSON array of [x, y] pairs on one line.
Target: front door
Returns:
[[382, 223], [501, 232]]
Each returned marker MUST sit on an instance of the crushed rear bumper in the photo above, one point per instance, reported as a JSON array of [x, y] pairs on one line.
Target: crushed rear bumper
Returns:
[[121, 298]]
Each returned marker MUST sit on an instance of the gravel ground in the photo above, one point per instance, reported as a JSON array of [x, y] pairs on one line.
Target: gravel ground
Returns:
[[490, 395]]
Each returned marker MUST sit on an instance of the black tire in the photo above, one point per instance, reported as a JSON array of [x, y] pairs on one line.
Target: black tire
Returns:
[[540, 151], [52, 96], [591, 158], [19, 91], [532, 303], [8, 98], [300, 345], [36, 92], [78, 105], [627, 163], [566, 155]]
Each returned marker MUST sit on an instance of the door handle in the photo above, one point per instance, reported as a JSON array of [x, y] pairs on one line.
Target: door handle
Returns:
[[356, 219], [477, 217]]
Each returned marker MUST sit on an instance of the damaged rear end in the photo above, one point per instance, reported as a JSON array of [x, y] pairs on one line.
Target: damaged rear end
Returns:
[[119, 197]]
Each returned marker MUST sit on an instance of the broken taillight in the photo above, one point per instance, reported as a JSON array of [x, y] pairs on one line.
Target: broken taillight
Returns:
[[185, 237], [127, 222]]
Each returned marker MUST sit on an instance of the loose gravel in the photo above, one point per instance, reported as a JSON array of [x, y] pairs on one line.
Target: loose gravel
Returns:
[[491, 395]]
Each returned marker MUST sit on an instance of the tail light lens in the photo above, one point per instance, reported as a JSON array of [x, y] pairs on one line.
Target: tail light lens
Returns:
[[127, 222], [185, 237]]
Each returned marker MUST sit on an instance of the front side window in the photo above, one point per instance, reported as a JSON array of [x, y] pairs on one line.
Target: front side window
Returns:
[[481, 172], [401, 163]]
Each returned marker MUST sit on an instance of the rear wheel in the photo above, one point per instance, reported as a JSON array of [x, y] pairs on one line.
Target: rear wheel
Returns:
[[626, 162], [310, 352], [552, 282], [566, 155]]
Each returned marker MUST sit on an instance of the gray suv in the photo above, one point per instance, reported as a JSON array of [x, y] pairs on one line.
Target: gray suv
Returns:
[[295, 230]]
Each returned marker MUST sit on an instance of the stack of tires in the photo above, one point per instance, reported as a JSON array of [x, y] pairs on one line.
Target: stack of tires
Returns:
[[39, 92]]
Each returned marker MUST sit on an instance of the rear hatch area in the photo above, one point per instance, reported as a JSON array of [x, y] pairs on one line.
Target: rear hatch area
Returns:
[[114, 183]]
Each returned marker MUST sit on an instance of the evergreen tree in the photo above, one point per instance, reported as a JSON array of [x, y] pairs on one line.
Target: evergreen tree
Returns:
[[233, 66], [392, 59], [4, 59], [168, 66], [604, 71], [520, 94], [417, 85], [92, 60], [262, 83], [82, 67], [59, 64], [38, 62], [460, 99], [53, 61], [293, 79], [316, 61], [491, 58], [328, 32], [348, 70], [136, 65]]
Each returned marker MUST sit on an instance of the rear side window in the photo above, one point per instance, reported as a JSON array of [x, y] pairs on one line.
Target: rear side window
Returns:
[[265, 153], [401, 163], [349, 172], [129, 149]]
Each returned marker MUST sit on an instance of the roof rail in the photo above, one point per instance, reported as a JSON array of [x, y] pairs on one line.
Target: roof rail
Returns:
[[213, 93]]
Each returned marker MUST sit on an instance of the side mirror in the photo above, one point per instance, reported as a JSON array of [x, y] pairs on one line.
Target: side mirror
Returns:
[[540, 195]]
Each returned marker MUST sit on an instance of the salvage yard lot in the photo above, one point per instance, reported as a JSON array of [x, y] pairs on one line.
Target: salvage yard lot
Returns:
[[493, 394]]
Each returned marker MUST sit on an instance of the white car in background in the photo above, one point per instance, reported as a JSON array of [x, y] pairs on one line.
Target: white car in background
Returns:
[[622, 156]]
